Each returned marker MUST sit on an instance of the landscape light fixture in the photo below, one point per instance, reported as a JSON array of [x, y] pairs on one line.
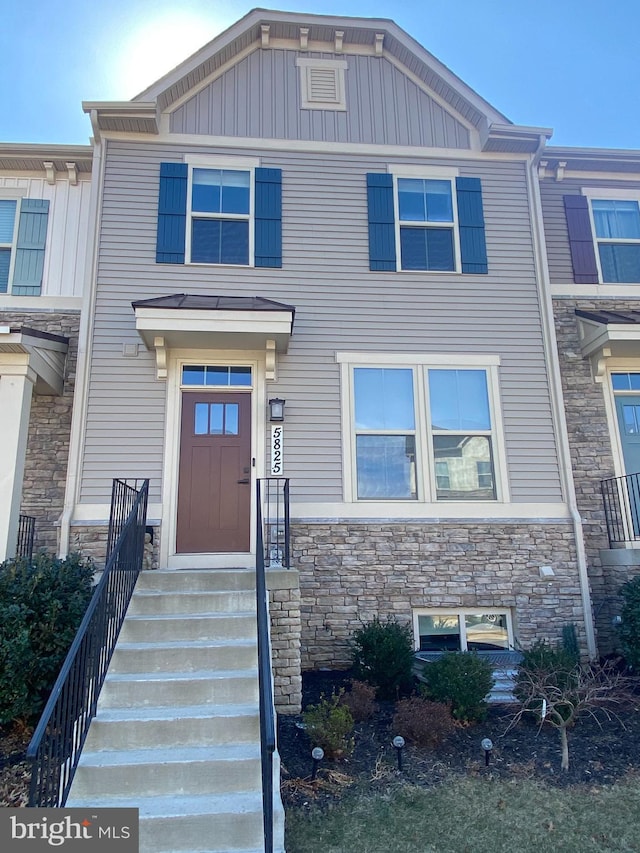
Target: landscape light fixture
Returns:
[[398, 743], [276, 410], [317, 753], [487, 745]]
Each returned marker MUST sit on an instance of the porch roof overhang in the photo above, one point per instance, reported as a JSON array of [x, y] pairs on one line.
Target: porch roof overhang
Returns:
[[39, 355], [192, 321], [608, 334]]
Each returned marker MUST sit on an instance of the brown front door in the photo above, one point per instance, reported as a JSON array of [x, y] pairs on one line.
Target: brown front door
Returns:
[[214, 485]]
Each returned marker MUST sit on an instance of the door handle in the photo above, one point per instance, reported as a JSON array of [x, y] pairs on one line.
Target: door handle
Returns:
[[242, 482]]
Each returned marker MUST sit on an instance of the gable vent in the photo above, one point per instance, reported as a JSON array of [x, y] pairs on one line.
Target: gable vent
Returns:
[[322, 84]]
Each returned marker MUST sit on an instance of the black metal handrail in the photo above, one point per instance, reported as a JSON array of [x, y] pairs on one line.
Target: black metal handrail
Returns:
[[275, 521], [265, 555], [57, 742], [26, 534], [621, 498]]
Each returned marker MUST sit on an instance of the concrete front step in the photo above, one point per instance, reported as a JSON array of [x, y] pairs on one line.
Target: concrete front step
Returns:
[[221, 601], [197, 725], [202, 687], [202, 823], [197, 580], [184, 656], [226, 626], [230, 768]]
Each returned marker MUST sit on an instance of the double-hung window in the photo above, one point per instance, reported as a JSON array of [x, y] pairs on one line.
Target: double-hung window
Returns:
[[7, 234], [223, 211], [426, 224], [220, 214], [422, 431], [617, 231], [23, 234], [425, 219]]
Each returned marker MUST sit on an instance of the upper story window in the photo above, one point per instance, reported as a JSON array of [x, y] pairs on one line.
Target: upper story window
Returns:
[[425, 219], [23, 232], [224, 211], [221, 205], [7, 233], [426, 224], [617, 231], [422, 432]]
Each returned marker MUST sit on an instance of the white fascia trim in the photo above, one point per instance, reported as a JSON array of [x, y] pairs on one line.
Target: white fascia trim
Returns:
[[410, 170], [611, 193], [604, 335], [479, 360], [376, 512], [98, 514], [615, 290], [312, 146], [49, 304], [218, 161]]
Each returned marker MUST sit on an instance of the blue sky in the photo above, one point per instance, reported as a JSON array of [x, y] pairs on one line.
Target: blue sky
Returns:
[[573, 65]]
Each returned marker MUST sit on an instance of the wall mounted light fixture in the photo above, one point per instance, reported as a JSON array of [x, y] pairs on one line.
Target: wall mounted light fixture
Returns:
[[276, 410]]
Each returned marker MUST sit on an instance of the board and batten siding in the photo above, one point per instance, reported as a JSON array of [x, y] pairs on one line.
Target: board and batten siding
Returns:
[[555, 223], [67, 230], [340, 306], [259, 97]]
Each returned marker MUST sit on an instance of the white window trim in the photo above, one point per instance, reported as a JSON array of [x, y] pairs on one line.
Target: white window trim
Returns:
[[237, 164], [10, 195], [609, 194], [427, 173], [425, 467], [307, 101], [461, 612]]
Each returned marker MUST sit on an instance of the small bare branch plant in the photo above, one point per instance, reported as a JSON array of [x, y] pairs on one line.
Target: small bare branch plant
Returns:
[[559, 696]]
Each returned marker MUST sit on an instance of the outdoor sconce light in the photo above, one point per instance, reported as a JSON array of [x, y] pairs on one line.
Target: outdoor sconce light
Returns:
[[398, 743], [487, 745], [276, 410], [317, 753]]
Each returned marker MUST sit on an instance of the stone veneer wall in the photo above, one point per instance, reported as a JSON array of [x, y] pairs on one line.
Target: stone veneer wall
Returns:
[[284, 612], [49, 431], [351, 572], [91, 541], [591, 456]]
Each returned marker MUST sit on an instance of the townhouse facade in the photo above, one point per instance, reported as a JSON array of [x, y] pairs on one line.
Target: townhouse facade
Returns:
[[312, 231]]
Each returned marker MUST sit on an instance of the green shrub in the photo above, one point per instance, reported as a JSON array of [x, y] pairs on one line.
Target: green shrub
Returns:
[[630, 627], [422, 721], [41, 607], [360, 699], [463, 679], [329, 725], [383, 656]]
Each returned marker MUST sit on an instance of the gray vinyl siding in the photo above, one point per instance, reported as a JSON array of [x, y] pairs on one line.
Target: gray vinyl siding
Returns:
[[555, 223], [259, 97], [340, 306]]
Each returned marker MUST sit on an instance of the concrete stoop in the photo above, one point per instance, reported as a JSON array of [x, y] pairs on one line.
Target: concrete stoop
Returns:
[[177, 731]]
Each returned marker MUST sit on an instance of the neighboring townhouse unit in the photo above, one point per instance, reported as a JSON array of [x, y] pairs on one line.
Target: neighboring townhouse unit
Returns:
[[591, 209], [316, 210], [44, 217]]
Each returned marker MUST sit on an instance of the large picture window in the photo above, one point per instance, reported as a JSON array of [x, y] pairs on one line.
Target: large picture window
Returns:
[[423, 433]]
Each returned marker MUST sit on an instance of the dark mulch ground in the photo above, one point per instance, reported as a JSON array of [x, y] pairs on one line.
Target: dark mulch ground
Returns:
[[15, 773], [598, 756]]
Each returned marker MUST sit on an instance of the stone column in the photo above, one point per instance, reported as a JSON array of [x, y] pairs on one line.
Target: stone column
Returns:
[[16, 388]]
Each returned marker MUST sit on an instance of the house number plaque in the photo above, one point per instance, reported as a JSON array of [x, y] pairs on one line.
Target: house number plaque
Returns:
[[277, 434]]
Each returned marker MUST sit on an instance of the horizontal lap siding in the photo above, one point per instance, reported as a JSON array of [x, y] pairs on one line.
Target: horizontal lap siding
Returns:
[[340, 306], [259, 97]]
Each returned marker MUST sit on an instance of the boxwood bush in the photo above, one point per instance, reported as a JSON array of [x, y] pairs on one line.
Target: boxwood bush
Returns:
[[383, 657], [41, 607], [462, 679]]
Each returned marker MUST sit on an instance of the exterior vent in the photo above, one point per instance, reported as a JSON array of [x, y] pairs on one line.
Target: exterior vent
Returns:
[[322, 84]]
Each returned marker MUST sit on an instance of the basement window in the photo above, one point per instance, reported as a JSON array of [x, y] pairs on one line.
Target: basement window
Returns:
[[474, 630]]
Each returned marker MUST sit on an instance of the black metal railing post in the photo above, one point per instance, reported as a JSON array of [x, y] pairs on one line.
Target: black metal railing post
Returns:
[[57, 742], [621, 501], [26, 534]]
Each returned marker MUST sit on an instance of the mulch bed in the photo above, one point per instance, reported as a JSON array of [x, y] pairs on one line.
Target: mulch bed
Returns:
[[599, 755]]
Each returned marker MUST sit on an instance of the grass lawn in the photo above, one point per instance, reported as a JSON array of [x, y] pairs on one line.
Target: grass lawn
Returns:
[[474, 816]]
